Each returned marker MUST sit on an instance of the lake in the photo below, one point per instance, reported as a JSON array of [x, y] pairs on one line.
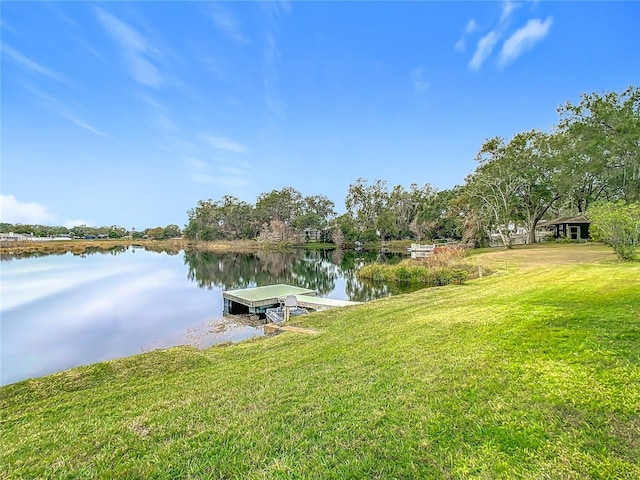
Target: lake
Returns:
[[65, 310]]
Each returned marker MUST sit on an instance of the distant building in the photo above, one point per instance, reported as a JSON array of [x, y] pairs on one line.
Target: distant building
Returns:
[[571, 228], [312, 235], [14, 237]]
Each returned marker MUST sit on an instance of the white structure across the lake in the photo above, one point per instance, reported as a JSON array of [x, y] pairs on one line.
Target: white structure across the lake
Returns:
[[421, 251]]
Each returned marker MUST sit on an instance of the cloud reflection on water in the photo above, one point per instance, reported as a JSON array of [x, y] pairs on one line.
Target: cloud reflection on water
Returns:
[[78, 311]]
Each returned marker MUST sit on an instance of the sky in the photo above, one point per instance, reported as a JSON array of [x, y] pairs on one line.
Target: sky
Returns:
[[129, 113]]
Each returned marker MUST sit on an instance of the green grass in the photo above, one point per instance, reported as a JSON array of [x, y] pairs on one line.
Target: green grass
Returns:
[[530, 373]]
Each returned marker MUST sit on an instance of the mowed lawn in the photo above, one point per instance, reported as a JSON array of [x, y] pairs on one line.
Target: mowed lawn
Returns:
[[533, 372]]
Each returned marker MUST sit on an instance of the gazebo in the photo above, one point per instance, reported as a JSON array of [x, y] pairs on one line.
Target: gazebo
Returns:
[[573, 228]]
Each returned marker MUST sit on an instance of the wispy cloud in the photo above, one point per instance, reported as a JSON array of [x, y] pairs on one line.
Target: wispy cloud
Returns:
[[223, 143], [507, 9], [14, 211], [232, 178], [196, 164], [420, 83], [461, 45], [484, 49], [226, 23], [524, 39], [516, 44], [63, 109], [82, 124], [219, 174], [33, 67], [160, 115], [137, 51], [203, 178], [270, 52], [472, 26]]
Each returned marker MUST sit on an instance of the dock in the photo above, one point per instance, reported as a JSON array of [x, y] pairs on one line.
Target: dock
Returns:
[[319, 303], [258, 299], [421, 251]]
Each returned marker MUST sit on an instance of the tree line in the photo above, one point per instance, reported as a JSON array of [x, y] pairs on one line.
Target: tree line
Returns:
[[84, 231], [590, 156]]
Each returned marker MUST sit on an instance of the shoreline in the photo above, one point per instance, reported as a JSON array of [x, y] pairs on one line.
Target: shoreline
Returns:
[[80, 246]]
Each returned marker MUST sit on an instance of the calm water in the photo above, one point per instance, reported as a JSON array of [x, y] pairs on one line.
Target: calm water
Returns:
[[61, 311]]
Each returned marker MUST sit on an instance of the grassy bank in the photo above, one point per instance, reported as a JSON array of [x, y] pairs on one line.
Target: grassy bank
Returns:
[[531, 373]]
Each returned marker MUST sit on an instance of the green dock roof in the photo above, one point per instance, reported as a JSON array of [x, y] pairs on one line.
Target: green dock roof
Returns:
[[261, 296]]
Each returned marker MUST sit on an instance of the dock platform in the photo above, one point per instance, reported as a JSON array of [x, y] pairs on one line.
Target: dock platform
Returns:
[[258, 299], [319, 303]]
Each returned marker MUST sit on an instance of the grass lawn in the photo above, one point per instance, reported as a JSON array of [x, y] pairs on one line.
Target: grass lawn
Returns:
[[533, 372]]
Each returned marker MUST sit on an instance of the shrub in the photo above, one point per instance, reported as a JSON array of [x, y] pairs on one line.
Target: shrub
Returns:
[[617, 225], [420, 272]]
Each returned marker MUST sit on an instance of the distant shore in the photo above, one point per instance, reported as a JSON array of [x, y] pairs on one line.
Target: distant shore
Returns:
[[79, 246]]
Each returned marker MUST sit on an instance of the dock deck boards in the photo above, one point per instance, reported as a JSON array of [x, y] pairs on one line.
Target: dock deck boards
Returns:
[[263, 296], [258, 299], [319, 303]]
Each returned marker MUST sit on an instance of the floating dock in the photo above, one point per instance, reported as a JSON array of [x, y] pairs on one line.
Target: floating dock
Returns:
[[256, 300]]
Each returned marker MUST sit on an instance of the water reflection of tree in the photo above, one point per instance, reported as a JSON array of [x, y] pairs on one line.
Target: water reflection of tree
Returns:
[[240, 270], [113, 250], [315, 270], [7, 257], [163, 248]]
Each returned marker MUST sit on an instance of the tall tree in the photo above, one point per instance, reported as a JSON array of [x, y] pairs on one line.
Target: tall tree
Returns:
[[284, 205], [601, 144], [492, 194], [535, 157], [516, 183], [317, 212], [365, 203]]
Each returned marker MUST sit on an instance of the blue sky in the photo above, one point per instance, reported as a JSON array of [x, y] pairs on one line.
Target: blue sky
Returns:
[[128, 113]]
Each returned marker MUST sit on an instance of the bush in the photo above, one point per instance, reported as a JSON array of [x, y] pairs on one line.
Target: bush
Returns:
[[617, 225], [419, 272]]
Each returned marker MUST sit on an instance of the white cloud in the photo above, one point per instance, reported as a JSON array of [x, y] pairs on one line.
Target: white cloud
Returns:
[[524, 39], [32, 66], [62, 109], [420, 84], [14, 211], [483, 49], [82, 124], [471, 27], [227, 24], [203, 178], [220, 180], [143, 71], [196, 164], [223, 143], [228, 176], [136, 50], [507, 9]]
